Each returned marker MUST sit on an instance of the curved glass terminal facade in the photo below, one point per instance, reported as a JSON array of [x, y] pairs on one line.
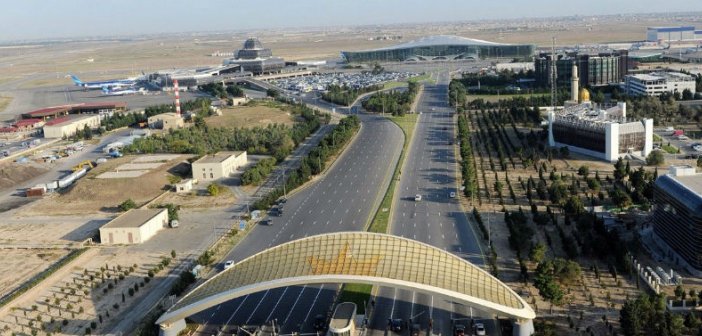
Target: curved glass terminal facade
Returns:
[[438, 48]]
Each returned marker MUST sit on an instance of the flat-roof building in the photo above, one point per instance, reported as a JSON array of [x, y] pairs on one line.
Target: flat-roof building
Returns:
[[69, 125], [217, 166], [668, 34], [602, 68], [677, 217], [656, 83], [166, 121], [441, 48], [586, 128], [82, 108], [134, 226]]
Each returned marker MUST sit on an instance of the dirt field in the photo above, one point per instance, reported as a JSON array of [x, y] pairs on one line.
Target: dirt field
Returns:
[[198, 199], [12, 173], [20, 265], [250, 116], [4, 101], [91, 195]]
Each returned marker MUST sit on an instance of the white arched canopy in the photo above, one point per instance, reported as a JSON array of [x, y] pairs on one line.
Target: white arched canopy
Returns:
[[356, 257]]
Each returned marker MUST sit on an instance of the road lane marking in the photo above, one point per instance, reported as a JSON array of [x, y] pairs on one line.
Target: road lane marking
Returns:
[[276, 304], [312, 307], [294, 304]]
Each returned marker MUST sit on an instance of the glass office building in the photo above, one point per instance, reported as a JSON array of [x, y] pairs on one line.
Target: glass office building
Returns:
[[677, 216], [593, 69], [441, 48]]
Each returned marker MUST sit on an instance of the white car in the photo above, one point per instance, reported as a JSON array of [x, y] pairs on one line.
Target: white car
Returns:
[[452, 194], [228, 264], [417, 198], [479, 329]]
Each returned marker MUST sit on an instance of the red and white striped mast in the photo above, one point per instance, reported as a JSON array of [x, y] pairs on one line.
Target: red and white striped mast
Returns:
[[177, 97]]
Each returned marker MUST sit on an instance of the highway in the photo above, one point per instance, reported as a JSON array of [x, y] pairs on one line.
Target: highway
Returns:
[[430, 170], [343, 199]]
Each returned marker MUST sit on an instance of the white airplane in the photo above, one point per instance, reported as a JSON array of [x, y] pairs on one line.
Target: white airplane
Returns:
[[110, 92], [116, 83]]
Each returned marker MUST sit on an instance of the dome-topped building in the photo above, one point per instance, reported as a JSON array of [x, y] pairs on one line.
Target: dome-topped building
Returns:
[[255, 58], [253, 49]]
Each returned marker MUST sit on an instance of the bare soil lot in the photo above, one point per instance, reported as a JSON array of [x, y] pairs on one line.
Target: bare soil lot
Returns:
[[20, 265], [250, 116], [12, 173], [92, 195]]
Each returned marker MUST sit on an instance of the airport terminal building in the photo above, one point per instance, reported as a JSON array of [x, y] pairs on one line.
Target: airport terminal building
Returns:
[[441, 48]]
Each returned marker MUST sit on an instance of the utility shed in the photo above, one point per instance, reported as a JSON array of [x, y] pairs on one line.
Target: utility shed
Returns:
[[134, 226]]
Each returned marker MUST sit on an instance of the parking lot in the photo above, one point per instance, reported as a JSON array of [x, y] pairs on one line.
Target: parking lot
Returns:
[[320, 82]]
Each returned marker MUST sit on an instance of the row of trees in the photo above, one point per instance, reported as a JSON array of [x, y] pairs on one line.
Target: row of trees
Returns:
[[344, 95], [468, 168], [647, 315], [396, 103], [119, 120], [315, 161], [220, 91], [258, 172], [276, 140]]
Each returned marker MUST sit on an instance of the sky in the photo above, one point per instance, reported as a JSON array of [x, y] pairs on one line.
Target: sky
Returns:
[[45, 19]]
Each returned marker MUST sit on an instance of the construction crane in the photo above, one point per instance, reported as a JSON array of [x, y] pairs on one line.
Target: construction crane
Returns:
[[86, 163]]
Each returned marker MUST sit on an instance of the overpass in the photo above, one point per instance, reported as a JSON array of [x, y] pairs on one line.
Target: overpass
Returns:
[[356, 257]]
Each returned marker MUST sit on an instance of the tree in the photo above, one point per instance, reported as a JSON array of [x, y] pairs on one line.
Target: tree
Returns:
[[537, 253], [273, 93], [699, 162], [655, 158], [87, 132], [213, 189], [564, 152], [573, 206], [584, 171], [619, 170], [631, 317], [127, 205], [679, 292]]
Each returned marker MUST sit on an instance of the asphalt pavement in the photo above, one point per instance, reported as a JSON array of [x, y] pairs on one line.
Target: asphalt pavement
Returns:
[[430, 170], [343, 199]]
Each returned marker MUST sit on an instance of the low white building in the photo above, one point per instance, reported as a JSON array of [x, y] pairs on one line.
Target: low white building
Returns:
[[217, 166], [656, 83], [184, 186], [134, 226]]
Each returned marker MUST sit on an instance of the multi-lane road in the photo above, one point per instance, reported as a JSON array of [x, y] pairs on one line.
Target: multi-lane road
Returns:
[[343, 199], [430, 171]]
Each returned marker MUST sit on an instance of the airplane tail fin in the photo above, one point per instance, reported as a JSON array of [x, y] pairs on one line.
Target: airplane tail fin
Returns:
[[76, 80]]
